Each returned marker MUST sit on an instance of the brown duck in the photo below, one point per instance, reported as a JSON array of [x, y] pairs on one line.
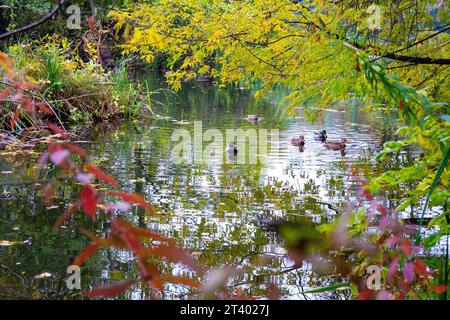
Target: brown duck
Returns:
[[298, 142], [336, 145], [254, 118]]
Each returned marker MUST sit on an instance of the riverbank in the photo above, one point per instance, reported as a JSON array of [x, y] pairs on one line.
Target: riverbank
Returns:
[[49, 77]]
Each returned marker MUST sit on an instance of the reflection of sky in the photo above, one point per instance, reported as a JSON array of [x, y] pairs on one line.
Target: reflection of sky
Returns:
[[193, 211], [284, 162], [216, 208]]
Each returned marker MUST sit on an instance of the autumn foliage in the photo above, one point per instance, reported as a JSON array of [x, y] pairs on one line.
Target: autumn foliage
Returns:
[[404, 272], [72, 162]]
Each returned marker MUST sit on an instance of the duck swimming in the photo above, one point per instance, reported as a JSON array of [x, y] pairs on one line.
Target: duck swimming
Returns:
[[253, 118], [320, 136], [298, 142], [336, 145], [232, 148]]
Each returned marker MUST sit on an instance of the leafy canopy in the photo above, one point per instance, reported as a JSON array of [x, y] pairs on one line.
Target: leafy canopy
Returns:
[[390, 54]]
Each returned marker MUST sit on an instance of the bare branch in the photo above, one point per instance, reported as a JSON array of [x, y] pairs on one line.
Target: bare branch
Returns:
[[32, 25]]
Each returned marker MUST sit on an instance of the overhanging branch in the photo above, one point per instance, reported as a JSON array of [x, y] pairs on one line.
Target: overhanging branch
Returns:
[[32, 25], [416, 60]]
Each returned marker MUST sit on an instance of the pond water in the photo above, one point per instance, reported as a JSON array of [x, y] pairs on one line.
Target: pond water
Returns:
[[217, 210]]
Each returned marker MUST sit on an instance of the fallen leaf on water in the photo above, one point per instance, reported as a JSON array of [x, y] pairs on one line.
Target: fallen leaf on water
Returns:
[[6, 243], [44, 275]]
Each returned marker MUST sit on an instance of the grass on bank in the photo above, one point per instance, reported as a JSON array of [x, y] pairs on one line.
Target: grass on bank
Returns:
[[77, 89]]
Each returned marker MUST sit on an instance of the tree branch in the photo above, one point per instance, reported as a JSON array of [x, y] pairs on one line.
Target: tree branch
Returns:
[[424, 39], [392, 56], [416, 60], [32, 25]]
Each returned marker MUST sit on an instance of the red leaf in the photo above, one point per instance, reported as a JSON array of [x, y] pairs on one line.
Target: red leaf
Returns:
[[366, 294], [88, 201], [44, 108], [66, 215], [84, 255], [57, 130], [406, 247], [420, 267], [91, 23], [240, 295], [439, 288], [273, 292], [393, 267], [110, 291], [5, 62], [152, 235], [368, 195], [102, 175], [132, 198], [52, 147], [27, 104], [382, 210], [132, 242], [5, 93], [14, 119], [128, 227], [76, 149], [103, 242], [123, 231], [151, 275]]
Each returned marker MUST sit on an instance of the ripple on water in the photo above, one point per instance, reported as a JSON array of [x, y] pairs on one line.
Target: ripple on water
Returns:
[[219, 211]]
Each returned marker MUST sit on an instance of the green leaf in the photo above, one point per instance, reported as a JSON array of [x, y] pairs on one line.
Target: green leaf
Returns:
[[433, 186], [432, 240]]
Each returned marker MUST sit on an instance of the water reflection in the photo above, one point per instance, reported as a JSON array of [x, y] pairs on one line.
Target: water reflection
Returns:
[[218, 210]]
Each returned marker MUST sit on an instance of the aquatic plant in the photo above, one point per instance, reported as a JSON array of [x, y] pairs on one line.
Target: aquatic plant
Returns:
[[131, 97]]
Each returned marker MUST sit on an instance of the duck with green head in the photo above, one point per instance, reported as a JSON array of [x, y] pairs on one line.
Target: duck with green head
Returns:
[[233, 148], [253, 118], [320, 136]]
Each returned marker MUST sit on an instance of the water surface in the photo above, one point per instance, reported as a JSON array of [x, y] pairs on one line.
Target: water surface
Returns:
[[217, 210]]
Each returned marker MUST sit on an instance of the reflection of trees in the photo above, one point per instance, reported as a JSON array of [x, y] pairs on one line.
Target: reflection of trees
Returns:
[[218, 212], [25, 217]]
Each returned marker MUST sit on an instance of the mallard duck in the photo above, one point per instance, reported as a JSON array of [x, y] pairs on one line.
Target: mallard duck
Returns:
[[253, 117], [298, 142], [320, 136], [336, 145], [232, 148]]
